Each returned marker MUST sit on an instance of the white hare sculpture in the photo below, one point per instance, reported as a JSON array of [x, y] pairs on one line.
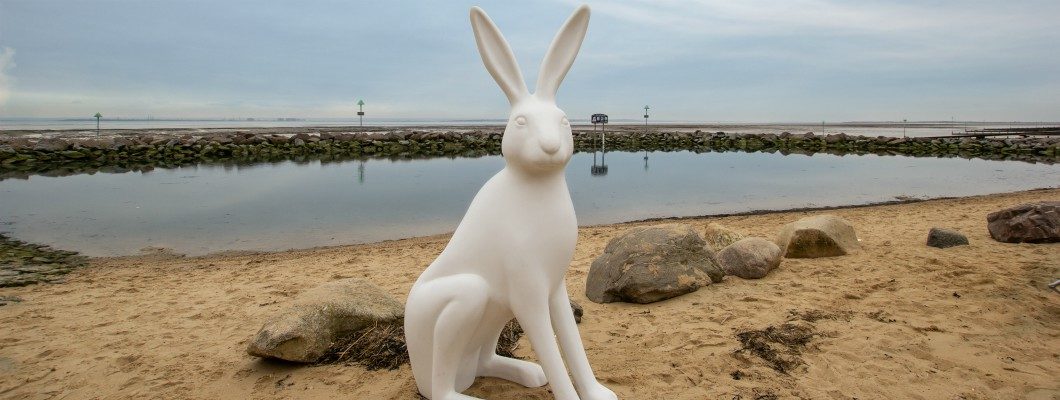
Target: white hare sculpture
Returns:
[[509, 254]]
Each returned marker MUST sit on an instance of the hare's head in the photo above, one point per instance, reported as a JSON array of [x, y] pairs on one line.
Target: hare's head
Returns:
[[538, 135]]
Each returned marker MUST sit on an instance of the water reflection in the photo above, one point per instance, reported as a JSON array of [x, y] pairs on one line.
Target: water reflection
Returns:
[[272, 206], [601, 169]]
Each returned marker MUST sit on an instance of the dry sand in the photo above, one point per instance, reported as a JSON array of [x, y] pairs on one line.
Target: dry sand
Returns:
[[901, 320]]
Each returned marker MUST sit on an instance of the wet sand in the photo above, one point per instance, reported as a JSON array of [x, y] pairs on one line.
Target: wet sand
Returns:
[[898, 320]]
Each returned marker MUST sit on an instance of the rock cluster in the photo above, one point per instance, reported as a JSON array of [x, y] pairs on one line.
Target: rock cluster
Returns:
[[1026, 223], [1032, 149], [141, 151], [24, 263], [349, 320]]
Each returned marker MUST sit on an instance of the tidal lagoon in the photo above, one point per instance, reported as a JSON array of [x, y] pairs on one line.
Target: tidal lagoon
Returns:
[[204, 208]]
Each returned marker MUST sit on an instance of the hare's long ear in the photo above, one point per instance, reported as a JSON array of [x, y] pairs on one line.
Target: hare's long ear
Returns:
[[561, 54], [497, 56]]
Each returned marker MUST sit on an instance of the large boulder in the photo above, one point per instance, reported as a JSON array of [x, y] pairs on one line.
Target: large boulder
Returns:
[[823, 235], [651, 263], [943, 238], [323, 316], [719, 236], [749, 258], [1030, 223]]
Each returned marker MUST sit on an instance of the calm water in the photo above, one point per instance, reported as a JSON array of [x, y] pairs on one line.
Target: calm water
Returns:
[[197, 210]]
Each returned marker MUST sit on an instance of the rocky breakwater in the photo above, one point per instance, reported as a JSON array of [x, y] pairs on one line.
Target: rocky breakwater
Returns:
[[59, 156], [24, 263], [21, 155], [1029, 149]]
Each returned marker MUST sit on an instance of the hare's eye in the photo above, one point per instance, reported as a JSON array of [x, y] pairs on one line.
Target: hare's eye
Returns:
[[521, 120], [564, 121]]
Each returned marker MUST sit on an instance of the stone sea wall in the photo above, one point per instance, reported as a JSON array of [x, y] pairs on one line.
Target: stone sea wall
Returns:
[[21, 156]]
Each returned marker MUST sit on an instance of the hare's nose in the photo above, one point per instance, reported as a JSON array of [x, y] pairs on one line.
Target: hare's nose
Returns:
[[550, 144]]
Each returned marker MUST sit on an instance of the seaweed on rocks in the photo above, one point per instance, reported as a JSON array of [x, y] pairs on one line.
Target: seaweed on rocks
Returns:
[[382, 346], [24, 263], [133, 151]]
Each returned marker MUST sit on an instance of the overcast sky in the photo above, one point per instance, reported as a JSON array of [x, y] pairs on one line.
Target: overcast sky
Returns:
[[707, 60]]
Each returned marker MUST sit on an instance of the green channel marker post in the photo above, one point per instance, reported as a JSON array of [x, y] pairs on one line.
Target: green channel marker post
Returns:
[[98, 116]]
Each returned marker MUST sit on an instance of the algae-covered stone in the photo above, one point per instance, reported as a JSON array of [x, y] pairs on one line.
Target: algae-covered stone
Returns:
[[323, 316]]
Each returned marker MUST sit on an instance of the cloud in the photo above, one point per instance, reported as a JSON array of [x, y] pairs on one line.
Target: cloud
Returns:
[[692, 59], [7, 61], [868, 30], [769, 17]]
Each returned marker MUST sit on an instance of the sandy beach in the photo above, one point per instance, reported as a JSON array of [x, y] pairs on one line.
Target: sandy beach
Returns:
[[899, 320]]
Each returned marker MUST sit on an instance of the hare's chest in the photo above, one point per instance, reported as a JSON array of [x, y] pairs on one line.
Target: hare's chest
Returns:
[[549, 237]]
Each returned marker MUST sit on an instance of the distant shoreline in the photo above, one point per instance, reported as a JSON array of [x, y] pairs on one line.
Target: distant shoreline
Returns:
[[108, 126]]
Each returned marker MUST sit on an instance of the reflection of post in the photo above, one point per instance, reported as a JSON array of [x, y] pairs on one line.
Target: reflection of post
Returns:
[[603, 150], [360, 173], [645, 160], [599, 170]]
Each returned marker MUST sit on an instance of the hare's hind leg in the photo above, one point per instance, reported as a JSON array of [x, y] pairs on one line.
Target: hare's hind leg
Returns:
[[440, 318], [494, 365]]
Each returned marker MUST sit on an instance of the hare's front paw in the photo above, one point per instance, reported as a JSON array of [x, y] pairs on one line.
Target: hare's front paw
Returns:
[[457, 396], [522, 372], [598, 392]]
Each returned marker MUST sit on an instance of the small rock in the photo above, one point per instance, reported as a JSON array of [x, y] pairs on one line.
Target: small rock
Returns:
[[749, 258], [1026, 223], [577, 310], [823, 235], [943, 238], [646, 264], [323, 316], [5, 300], [719, 236]]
